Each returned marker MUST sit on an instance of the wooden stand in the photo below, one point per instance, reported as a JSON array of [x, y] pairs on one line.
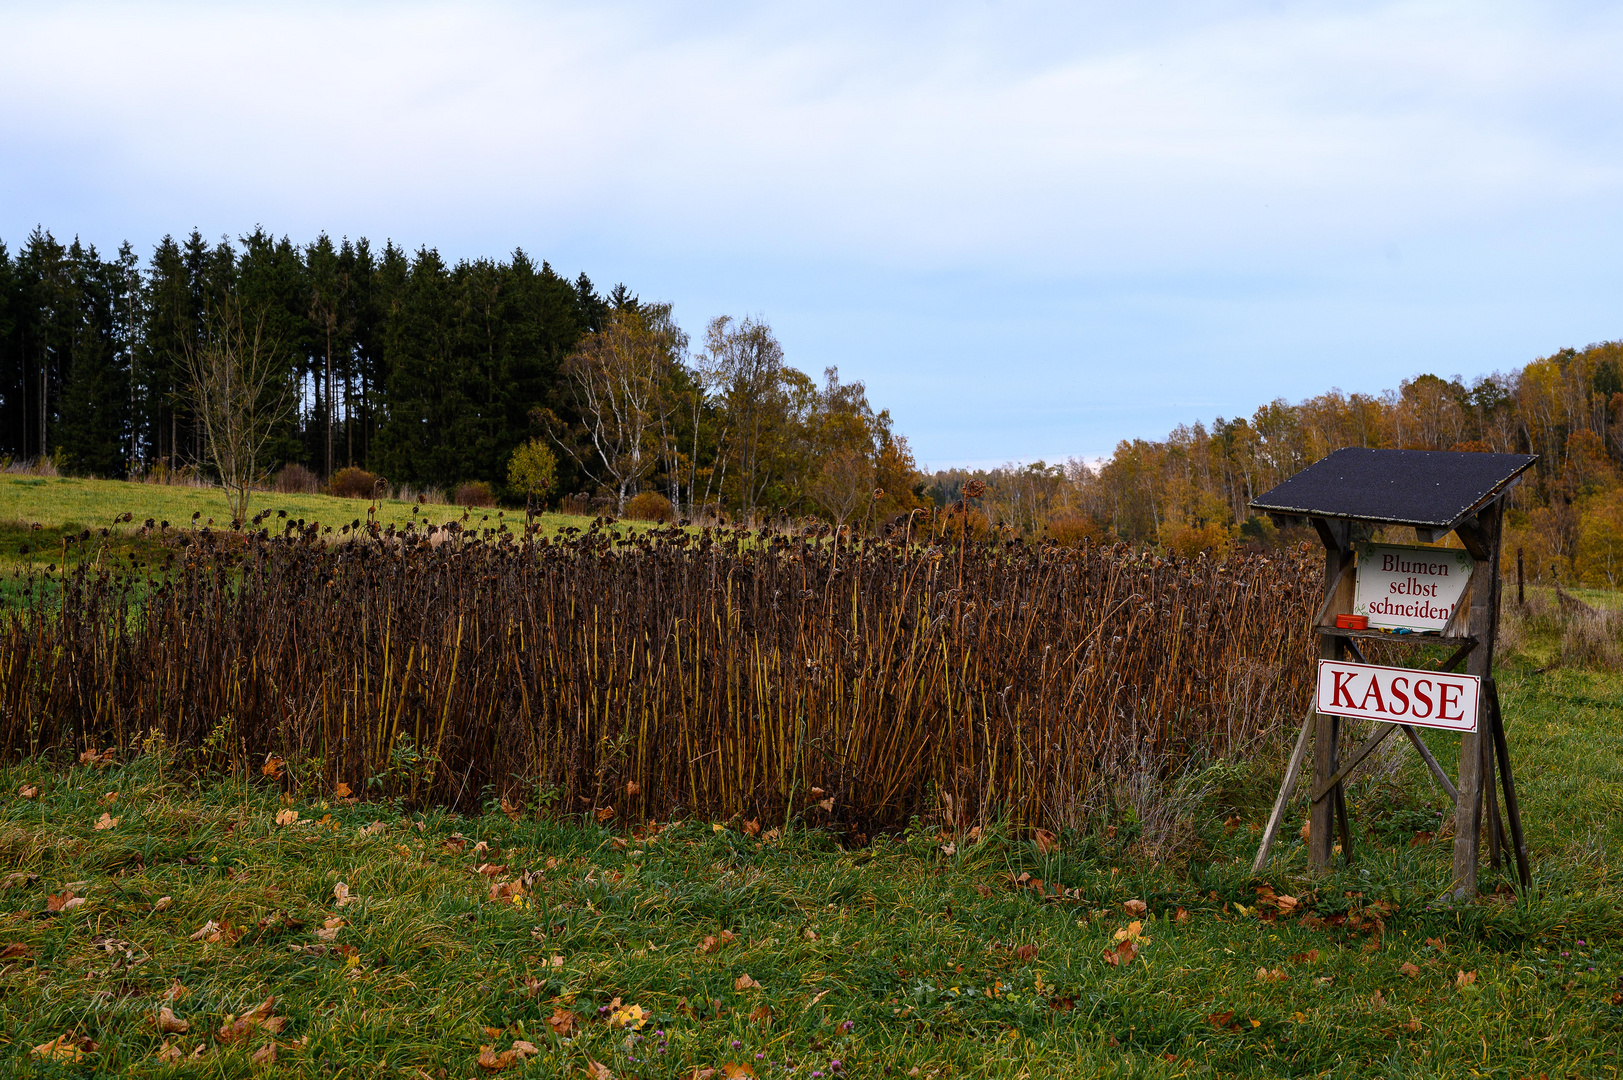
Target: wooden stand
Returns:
[[1484, 753]]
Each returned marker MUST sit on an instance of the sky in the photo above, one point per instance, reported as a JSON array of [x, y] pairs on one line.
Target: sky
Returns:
[[1032, 230]]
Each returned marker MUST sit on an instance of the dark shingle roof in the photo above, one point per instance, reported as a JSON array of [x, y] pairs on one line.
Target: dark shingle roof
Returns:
[[1435, 489]]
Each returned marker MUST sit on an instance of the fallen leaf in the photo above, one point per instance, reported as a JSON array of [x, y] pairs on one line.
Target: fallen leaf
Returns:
[[1181, 917], [596, 1070], [817, 793], [1221, 1020], [733, 1070], [109, 799], [162, 903], [373, 829], [632, 789], [523, 1049], [827, 804], [13, 951], [762, 1014], [341, 790], [1309, 957], [1136, 907], [175, 992], [603, 814], [562, 1022], [1408, 970], [1435, 943], [340, 893], [236, 1028], [1378, 1000], [490, 869], [699, 1072], [1465, 978], [1286, 904], [1420, 838], [1047, 842], [491, 1061], [64, 1048], [28, 791], [1123, 953], [287, 817], [1025, 953], [106, 821], [713, 943], [327, 933], [1413, 1024], [170, 1053], [265, 1055], [18, 877], [1270, 975], [210, 927], [513, 810], [744, 982], [170, 1024], [949, 849], [810, 935], [752, 828], [272, 767]]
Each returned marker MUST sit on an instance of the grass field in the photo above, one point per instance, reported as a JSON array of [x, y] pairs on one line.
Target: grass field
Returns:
[[921, 955], [66, 506]]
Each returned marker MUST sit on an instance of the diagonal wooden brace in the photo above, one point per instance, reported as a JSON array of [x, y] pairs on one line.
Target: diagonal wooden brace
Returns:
[[1353, 760]]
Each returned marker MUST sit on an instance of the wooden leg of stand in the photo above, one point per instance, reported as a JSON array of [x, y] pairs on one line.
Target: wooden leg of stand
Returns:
[[1513, 810], [1292, 772], [1490, 791], [1345, 826]]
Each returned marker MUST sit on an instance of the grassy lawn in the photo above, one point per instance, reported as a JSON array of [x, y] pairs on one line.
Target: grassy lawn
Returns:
[[65, 507], [909, 957]]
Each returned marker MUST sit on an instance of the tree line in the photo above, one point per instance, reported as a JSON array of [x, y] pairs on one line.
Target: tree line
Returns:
[[1190, 491], [428, 373]]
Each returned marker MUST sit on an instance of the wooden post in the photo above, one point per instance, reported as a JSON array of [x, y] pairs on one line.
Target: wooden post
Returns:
[[1322, 817], [1521, 597], [1482, 540]]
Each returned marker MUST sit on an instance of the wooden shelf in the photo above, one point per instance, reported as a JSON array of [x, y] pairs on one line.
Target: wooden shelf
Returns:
[[1401, 639]]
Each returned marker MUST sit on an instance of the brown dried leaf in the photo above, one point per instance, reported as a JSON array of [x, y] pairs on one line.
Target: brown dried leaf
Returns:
[[1464, 978], [1270, 975], [752, 828], [373, 829], [169, 1053], [762, 1014], [596, 1070], [491, 1061], [205, 931], [817, 793], [1221, 1020], [341, 790], [733, 1070], [13, 951], [28, 791], [1047, 842], [603, 814], [744, 982], [490, 869], [562, 1022], [827, 804], [265, 1055], [287, 817], [1025, 953], [1309, 957], [175, 992], [64, 1048], [1414, 1024], [1181, 917], [1136, 907], [170, 1024], [523, 1049], [340, 893], [106, 821], [632, 789], [273, 766], [1408, 970], [162, 903]]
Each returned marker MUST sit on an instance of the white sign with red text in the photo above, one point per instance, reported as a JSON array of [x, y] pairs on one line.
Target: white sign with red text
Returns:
[[1416, 588], [1437, 699]]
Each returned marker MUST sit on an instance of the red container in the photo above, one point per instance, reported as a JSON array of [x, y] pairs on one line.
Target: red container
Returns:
[[1352, 622]]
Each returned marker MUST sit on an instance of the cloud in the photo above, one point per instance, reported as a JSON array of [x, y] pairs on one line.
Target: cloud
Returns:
[[1185, 174]]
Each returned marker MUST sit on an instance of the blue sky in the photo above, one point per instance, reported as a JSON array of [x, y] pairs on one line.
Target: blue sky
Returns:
[[1033, 230]]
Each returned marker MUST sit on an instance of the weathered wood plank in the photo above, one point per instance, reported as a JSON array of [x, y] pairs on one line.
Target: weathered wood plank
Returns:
[[1292, 772]]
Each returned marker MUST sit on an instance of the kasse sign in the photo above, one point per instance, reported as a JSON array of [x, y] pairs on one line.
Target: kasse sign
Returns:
[[1436, 699]]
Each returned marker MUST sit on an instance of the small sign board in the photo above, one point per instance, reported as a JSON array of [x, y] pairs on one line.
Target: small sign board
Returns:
[[1435, 699], [1407, 587]]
